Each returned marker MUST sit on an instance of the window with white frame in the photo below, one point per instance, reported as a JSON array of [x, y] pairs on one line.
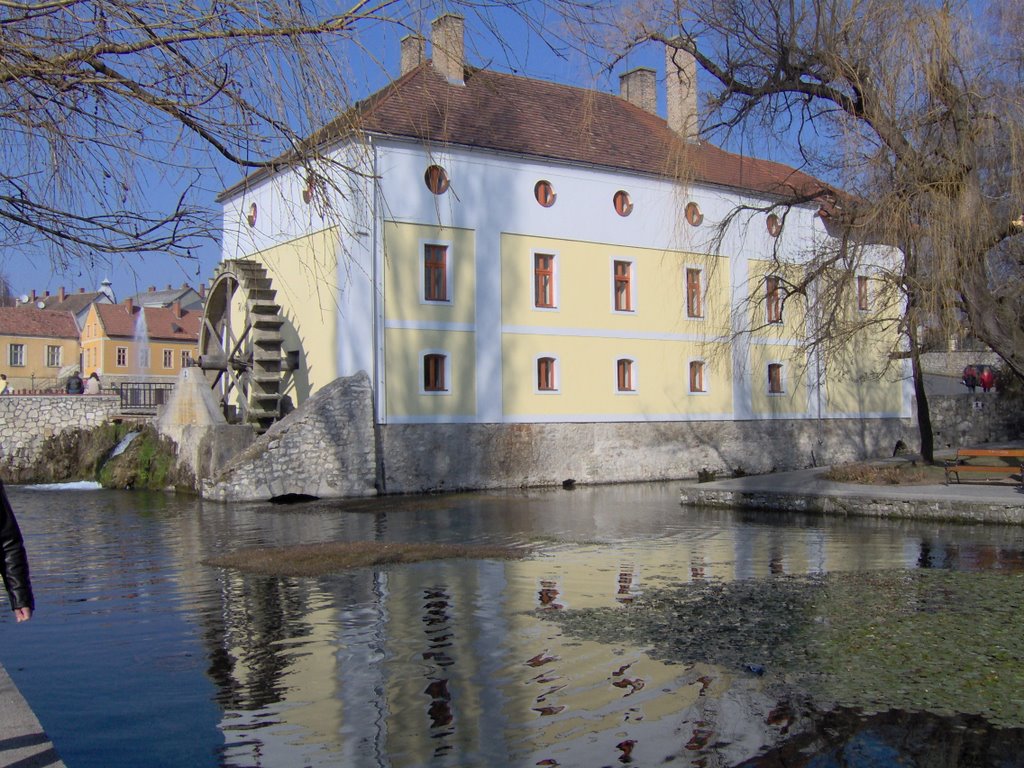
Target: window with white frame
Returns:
[[435, 372], [694, 292], [544, 295], [547, 374], [622, 285], [186, 358], [625, 375], [121, 357], [168, 358], [436, 273], [16, 355], [862, 293], [773, 299], [144, 358], [697, 377], [53, 355]]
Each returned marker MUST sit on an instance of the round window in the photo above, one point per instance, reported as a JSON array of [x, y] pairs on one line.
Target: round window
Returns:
[[623, 204], [436, 179], [251, 216], [693, 215], [774, 225], [544, 193]]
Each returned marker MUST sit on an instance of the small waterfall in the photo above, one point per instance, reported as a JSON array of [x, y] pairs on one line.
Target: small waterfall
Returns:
[[123, 445]]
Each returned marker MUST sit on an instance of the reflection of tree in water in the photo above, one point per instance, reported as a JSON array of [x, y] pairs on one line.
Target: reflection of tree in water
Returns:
[[846, 738], [247, 660]]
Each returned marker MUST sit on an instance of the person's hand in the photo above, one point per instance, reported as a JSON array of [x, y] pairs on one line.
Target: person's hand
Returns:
[[22, 614]]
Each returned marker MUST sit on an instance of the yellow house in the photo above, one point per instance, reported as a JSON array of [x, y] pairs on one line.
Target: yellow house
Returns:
[[40, 347], [128, 341]]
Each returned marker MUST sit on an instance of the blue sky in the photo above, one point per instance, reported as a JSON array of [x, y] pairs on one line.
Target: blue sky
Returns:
[[374, 60]]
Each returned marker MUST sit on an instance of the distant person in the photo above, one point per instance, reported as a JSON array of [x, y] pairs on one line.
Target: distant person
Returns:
[[92, 384], [987, 379], [74, 385], [3, 384], [14, 562], [970, 378]]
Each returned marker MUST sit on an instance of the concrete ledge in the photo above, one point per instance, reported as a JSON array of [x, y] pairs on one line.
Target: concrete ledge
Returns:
[[23, 744], [936, 508]]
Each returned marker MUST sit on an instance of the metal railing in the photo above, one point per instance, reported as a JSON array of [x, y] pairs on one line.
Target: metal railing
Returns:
[[144, 396]]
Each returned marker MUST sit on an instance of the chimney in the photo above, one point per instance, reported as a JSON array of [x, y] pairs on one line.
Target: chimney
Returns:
[[81, 290], [448, 47], [638, 87], [681, 92], [32, 298], [152, 289], [202, 290], [128, 305], [176, 308], [61, 295], [414, 51]]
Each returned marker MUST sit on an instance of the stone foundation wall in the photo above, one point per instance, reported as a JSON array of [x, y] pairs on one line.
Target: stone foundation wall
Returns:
[[27, 420], [450, 457], [953, 363], [984, 417]]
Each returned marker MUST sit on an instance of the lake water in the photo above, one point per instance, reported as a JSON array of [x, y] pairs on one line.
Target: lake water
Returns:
[[141, 655]]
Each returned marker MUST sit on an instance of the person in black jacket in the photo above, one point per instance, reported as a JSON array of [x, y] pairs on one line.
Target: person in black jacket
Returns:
[[14, 562]]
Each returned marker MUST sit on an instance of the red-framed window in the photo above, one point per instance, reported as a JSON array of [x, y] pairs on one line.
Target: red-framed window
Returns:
[[624, 375], [775, 378], [435, 272], [697, 376], [862, 293], [544, 280], [694, 305], [773, 299], [546, 374], [434, 373], [623, 286]]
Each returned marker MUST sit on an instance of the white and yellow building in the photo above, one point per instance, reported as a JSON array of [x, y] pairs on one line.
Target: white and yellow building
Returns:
[[534, 279]]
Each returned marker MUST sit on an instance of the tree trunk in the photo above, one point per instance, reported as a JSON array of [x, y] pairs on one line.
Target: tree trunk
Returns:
[[924, 419]]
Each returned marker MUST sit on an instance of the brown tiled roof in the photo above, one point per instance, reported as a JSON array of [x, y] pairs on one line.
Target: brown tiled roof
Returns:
[[30, 321], [161, 322], [510, 113]]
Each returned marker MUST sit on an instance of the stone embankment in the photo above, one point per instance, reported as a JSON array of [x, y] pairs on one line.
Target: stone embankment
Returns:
[[26, 421], [326, 449]]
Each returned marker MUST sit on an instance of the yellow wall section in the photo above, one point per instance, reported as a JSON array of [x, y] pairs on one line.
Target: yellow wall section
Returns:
[[794, 381], [403, 358], [585, 364], [305, 274], [584, 288], [587, 383], [403, 274]]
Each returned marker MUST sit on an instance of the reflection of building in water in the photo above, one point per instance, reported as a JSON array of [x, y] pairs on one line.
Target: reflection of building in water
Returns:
[[453, 660]]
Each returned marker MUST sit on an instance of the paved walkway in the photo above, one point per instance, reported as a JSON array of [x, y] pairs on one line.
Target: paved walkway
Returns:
[[807, 490], [23, 744]]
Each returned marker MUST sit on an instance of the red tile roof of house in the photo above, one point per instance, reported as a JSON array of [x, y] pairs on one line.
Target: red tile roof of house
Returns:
[[30, 321], [118, 320], [545, 120], [73, 302]]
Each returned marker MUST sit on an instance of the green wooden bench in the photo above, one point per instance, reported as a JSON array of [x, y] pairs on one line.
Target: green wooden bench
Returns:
[[1009, 458]]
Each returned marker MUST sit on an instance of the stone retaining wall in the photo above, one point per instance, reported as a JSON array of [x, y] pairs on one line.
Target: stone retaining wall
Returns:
[[27, 420], [984, 417]]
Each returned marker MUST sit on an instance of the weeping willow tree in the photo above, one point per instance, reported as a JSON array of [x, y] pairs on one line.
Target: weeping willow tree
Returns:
[[119, 120], [914, 110]]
